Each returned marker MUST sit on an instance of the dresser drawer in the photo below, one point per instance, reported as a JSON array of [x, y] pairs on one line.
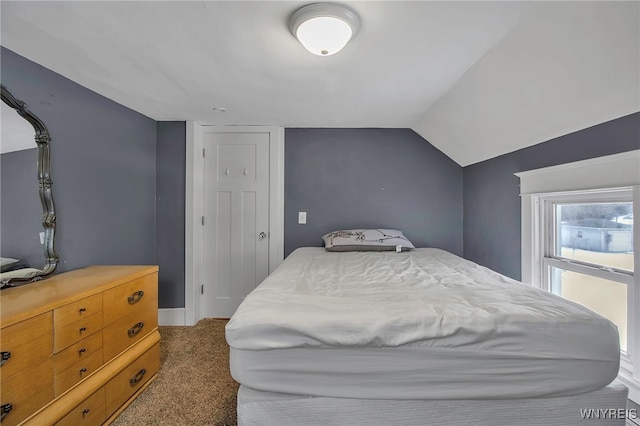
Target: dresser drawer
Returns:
[[77, 311], [25, 343], [77, 352], [76, 331], [90, 412], [126, 298], [27, 391], [128, 330], [126, 383], [78, 371]]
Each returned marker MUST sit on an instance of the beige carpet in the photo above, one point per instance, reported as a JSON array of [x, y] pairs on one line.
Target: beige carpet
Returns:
[[194, 386]]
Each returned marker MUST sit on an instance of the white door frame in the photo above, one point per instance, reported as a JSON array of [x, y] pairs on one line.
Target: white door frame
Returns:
[[194, 208]]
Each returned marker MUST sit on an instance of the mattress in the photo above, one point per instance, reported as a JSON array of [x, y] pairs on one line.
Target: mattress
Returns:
[[423, 324], [266, 408]]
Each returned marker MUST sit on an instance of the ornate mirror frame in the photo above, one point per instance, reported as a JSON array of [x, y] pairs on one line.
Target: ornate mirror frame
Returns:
[[43, 140]]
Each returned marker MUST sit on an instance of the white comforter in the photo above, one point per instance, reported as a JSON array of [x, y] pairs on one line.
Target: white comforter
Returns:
[[426, 297]]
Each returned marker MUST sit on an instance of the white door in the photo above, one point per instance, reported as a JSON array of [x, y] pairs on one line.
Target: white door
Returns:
[[236, 218]]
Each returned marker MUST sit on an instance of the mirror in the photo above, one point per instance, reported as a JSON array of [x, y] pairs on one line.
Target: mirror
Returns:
[[25, 143]]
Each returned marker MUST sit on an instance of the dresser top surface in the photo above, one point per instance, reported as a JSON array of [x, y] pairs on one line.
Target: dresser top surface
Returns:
[[20, 303]]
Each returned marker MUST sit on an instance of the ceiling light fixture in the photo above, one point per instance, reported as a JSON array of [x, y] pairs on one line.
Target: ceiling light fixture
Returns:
[[324, 28]]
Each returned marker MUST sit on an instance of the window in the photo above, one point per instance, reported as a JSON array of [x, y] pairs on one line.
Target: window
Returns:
[[587, 250], [580, 240]]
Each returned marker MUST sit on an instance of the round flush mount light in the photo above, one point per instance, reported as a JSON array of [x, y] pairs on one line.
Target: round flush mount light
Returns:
[[324, 28]]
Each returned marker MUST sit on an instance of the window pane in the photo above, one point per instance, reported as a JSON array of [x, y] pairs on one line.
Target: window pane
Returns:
[[608, 298], [599, 233]]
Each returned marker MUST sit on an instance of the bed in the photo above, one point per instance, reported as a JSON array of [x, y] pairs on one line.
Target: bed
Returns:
[[416, 337]]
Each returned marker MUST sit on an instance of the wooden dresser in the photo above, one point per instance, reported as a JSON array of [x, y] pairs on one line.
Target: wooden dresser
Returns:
[[78, 347]]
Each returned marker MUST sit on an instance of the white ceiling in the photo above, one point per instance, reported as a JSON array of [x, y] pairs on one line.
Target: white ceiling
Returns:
[[476, 79]]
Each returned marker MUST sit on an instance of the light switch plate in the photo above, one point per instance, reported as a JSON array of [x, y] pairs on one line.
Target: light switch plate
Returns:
[[302, 218]]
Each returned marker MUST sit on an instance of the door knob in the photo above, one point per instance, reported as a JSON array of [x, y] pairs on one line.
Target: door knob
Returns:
[[262, 235]]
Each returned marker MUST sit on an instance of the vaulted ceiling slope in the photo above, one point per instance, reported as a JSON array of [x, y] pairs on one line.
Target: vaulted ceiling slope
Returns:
[[476, 79], [566, 66]]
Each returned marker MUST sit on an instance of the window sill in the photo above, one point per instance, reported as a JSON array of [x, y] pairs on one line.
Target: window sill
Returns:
[[632, 383]]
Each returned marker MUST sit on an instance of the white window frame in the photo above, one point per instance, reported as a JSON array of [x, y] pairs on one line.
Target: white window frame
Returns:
[[544, 205], [611, 178]]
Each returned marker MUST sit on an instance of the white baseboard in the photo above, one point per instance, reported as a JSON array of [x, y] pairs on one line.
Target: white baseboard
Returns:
[[171, 316]]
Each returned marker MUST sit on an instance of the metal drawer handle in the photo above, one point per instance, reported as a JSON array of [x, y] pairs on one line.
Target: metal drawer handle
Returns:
[[83, 329], [5, 357], [135, 329], [135, 297], [81, 351], [5, 409], [81, 310], [85, 412], [135, 379], [83, 370]]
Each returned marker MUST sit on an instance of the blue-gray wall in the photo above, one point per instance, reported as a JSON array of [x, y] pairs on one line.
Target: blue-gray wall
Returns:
[[491, 191], [170, 205], [103, 166], [368, 178]]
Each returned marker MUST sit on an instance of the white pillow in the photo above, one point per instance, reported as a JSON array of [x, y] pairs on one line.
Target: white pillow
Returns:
[[7, 263], [366, 240]]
